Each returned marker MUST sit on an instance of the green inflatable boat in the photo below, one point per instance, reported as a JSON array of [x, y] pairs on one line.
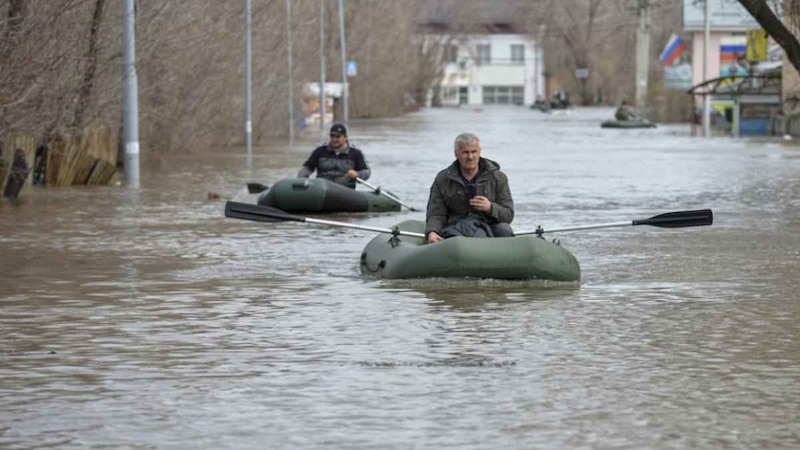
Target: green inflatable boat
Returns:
[[318, 195], [627, 124], [516, 258]]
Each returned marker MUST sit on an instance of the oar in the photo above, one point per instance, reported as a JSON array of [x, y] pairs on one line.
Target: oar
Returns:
[[677, 219], [390, 196], [247, 211], [256, 188]]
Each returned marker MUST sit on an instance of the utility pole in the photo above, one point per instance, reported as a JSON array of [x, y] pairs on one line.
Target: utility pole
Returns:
[[642, 52], [130, 96], [344, 62], [322, 67], [706, 98], [291, 83], [248, 123]]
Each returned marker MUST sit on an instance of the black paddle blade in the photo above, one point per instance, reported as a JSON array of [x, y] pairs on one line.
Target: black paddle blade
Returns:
[[247, 211], [679, 219], [256, 188]]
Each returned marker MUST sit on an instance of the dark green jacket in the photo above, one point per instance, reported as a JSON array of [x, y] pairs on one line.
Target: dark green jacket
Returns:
[[449, 198]]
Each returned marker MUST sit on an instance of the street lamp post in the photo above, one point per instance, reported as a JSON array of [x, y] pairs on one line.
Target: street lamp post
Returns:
[[248, 124], [322, 66], [291, 83], [344, 62], [706, 98], [130, 97]]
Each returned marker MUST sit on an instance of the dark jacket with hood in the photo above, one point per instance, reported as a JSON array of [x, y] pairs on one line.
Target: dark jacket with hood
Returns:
[[449, 198]]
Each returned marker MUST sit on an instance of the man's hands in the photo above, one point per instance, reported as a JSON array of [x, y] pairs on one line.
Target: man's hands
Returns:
[[481, 203], [433, 237], [351, 174]]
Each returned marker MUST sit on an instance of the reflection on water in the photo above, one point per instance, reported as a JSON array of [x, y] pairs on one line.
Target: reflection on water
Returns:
[[147, 319]]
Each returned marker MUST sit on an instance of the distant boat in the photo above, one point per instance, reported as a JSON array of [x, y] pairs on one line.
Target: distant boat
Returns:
[[643, 123]]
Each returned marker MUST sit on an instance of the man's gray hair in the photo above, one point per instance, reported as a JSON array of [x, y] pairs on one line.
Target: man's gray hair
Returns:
[[464, 139]]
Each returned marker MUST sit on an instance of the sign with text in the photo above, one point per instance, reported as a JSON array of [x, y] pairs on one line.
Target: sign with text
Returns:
[[724, 15], [678, 77], [352, 69]]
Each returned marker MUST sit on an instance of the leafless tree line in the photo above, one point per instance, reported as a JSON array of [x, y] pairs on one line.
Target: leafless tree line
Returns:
[[60, 65], [60, 60], [600, 35]]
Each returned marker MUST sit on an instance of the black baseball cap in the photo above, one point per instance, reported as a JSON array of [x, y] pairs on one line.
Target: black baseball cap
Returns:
[[338, 128]]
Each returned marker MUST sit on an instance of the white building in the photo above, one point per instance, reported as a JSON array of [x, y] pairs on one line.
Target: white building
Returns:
[[493, 68]]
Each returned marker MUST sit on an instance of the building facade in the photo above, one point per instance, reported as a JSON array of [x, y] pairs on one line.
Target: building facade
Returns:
[[492, 69]]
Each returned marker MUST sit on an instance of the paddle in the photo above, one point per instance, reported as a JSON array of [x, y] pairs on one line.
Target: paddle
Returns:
[[389, 196], [256, 188], [677, 219], [247, 211]]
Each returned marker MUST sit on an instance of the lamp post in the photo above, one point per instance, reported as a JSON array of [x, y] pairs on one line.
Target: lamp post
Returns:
[[291, 83], [706, 98], [130, 97], [322, 67], [344, 62], [248, 124]]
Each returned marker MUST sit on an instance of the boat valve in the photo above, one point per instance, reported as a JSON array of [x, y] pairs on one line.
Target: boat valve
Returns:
[[395, 239], [556, 241], [539, 231]]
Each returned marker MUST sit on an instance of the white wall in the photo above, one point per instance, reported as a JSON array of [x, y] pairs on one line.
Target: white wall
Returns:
[[501, 71]]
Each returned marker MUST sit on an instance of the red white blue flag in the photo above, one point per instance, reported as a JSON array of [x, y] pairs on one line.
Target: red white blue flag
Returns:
[[673, 50]]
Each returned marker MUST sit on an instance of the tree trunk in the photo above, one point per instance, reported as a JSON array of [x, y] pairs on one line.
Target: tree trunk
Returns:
[[85, 91], [775, 28], [16, 13]]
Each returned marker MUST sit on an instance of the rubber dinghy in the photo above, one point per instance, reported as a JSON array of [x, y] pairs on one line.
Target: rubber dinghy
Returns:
[[627, 124], [319, 195], [515, 258]]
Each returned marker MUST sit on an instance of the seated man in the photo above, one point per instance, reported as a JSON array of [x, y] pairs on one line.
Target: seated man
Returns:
[[626, 112], [337, 161], [471, 197]]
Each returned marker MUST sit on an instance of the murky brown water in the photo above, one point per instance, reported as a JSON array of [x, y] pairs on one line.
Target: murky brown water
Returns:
[[148, 320]]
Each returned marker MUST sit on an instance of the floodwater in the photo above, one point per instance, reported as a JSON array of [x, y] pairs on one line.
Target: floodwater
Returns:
[[145, 319]]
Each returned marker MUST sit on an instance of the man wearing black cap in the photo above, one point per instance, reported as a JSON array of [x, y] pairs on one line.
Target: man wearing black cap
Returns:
[[337, 161]]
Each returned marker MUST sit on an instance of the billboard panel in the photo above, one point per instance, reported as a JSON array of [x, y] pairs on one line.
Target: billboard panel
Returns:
[[724, 15]]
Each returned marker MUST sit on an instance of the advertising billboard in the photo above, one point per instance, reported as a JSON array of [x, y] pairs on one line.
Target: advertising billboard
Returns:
[[724, 15]]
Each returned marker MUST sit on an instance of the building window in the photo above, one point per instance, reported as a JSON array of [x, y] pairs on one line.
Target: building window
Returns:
[[449, 94], [488, 95], [484, 54], [452, 54], [517, 54], [503, 95]]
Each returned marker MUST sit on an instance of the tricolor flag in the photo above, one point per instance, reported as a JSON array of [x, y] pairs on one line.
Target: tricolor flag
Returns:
[[673, 50], [731, 48]]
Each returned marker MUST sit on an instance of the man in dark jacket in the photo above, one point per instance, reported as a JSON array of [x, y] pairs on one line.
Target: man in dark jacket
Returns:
[[469, 198], [337, 161]]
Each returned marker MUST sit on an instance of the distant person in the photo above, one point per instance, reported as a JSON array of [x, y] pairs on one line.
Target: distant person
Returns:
[[337, 161], [560, 100], [626, 112], [471, 197]]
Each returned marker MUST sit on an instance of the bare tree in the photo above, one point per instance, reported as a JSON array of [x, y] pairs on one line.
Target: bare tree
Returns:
[[89, 73], [765, 17]]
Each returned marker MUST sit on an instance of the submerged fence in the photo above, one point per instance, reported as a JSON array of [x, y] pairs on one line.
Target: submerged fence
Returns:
[[89, 158]]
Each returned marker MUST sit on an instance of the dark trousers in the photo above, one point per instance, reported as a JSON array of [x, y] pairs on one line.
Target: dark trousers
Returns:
[[502, 229], [471, 227]]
